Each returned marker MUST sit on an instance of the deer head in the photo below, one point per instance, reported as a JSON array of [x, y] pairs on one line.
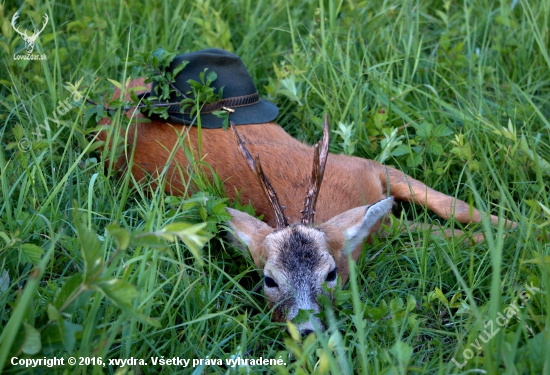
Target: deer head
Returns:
[[29, 40], [298, 259]]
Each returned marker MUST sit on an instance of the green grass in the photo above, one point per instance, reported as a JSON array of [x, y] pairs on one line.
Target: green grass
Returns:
[[456, 94]]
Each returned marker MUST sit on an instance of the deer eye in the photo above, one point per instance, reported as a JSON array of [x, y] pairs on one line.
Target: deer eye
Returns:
[[331, 275], [270, 283]]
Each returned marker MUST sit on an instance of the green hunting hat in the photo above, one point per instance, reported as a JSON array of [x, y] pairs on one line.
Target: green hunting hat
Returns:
[[240, 97]]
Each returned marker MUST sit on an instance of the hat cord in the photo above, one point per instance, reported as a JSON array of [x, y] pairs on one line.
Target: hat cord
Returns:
[[235, 102]]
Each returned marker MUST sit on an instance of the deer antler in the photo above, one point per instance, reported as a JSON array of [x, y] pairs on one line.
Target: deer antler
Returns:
[[13, 20], [269, 191], [46, 19], [319, 163], [26, 37]]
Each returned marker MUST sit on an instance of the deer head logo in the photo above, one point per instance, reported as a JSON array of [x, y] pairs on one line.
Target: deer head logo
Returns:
[[30, 40]]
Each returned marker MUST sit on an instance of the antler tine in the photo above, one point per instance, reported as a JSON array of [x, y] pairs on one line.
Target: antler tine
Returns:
[[269, 191], [46, 19], [319, 163], [16, 28]]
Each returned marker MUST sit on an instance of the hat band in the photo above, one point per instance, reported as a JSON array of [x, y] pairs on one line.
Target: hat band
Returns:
[[238, 101]]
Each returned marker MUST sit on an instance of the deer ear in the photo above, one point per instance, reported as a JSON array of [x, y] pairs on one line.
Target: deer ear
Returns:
[[247, 229], [357, 223]]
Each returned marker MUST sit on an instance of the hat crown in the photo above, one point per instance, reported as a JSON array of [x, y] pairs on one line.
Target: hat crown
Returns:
[[229, 68], [240, 98]]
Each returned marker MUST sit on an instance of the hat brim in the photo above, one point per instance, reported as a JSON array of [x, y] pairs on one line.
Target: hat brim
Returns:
[[258, 113]]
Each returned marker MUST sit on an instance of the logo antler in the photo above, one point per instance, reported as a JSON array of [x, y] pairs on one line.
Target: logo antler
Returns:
[[29, 40]]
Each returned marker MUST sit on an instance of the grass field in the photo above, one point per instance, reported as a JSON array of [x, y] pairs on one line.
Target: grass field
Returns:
[[454, 93]]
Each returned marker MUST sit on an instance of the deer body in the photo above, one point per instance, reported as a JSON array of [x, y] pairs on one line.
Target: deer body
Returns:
[[298, 259], [287, 163], [349, 181]]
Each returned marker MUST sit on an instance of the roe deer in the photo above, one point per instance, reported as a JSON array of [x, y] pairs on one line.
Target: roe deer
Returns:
[[296, 259]]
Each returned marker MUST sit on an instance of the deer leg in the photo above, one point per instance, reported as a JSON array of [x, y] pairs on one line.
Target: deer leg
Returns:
[[409, 226], [406, 188]]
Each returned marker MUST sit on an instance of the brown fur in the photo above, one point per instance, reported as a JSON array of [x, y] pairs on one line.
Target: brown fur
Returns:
[[335, 243], [286, 162], [349, 181]]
